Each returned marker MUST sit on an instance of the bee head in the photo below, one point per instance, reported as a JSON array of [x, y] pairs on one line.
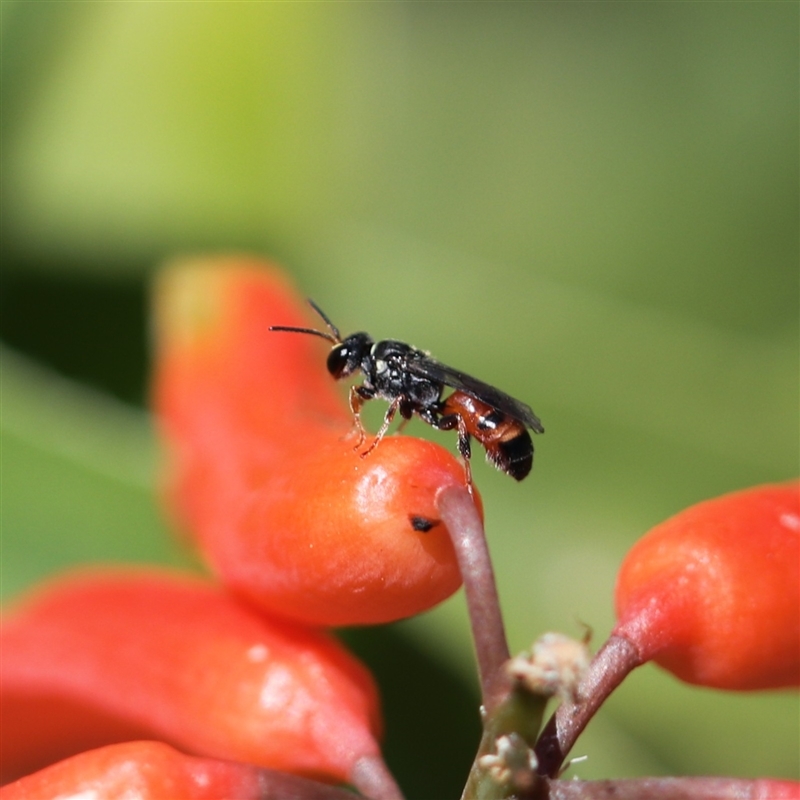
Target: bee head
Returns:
[[345, 358]]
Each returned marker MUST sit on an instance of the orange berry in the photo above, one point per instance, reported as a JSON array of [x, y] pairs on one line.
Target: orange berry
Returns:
[[263, 473], [713, 594], [144, 770], [100, 658]]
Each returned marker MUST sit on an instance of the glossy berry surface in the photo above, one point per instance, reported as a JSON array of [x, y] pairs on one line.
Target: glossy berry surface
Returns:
[[713, 594], [139, 771], [98, 658], [261, 466]]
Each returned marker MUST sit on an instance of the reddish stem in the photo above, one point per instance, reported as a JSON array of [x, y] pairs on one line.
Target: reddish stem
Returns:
[[612, 663], [458, 511], [373, 779], [673, 789]]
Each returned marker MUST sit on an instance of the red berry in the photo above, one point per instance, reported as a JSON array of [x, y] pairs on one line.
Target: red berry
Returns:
[[263, 473], [142, 770], [101, 658], [713, 594]]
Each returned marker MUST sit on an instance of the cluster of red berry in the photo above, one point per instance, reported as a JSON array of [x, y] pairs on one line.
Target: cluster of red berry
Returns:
[[112, 669]]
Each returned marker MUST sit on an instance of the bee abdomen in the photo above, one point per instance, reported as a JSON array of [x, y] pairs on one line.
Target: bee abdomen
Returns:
[[513, 456]]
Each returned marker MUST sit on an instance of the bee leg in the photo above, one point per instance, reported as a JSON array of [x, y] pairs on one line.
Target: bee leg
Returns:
[[447, 423], [463, 442], [387, 421], [358, 396], [465, 450], [406, 412]]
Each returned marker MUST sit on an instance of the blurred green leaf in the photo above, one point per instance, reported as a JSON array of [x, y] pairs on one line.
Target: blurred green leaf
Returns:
[[77, 479]]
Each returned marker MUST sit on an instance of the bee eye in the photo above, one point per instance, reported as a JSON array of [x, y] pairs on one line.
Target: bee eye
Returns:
[[338, 360], [345, 358]]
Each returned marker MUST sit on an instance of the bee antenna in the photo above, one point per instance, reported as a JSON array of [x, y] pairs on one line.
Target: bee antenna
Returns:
[[330, 337], [333, 329], [334, 335]]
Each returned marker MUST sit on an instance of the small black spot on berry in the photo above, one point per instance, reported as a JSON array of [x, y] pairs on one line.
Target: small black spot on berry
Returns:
[[423, 524]]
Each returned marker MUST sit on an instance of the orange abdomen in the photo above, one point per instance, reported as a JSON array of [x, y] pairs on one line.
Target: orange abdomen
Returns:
[[508, 444]]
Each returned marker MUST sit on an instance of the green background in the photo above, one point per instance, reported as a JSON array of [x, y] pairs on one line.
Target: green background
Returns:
[[591, 205]]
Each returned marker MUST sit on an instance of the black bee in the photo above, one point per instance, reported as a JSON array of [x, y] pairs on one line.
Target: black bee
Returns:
[[413, 383]]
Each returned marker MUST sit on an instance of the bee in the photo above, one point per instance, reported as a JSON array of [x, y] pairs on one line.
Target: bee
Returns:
[[414, 383]]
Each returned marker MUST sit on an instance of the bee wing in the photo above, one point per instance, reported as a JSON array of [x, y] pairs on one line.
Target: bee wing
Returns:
[[429, 367]]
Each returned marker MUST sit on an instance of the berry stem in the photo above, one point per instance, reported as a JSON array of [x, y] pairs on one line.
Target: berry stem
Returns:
[[458, 511], [612, 663], [373, 779], [673, 789]]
